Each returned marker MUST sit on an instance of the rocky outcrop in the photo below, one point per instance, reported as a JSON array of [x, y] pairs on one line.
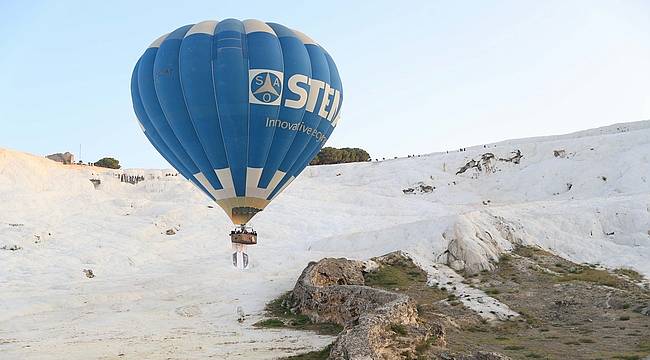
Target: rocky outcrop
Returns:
[[559, 153], [12, 247], [477, 239], [336, 272], [488, 162], [419, 188], [515, 157], [65, 158], [378, 324]]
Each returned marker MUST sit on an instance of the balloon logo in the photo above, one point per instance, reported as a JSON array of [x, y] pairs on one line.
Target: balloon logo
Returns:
[[266, 88], [239, 108]]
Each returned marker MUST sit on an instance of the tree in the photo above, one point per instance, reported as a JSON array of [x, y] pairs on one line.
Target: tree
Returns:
[[108, 162], [330, 155]]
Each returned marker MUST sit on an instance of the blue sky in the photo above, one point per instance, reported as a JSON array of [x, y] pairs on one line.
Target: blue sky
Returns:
[[419, 76]]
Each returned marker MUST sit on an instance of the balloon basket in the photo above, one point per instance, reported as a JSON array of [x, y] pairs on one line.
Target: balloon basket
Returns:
[[241, 238]]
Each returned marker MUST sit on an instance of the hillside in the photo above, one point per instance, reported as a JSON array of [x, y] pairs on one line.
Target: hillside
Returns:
[[583, 196]]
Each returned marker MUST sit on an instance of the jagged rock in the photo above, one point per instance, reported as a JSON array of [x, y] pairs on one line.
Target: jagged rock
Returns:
[[487, 162], [13, 247], [65, 158], [331, 271], [370, 266], [515, 158], [340, 304], [419, 188], [332, 290], [469, 249], [89, 273], [559, 153], [170, 232]]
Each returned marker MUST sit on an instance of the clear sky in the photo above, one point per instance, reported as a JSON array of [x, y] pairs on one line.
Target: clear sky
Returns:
[[418, 76]]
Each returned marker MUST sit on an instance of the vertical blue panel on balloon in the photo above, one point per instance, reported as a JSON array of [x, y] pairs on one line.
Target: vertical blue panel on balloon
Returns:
[[153, 136], [336, 104], [325, 127], [320, 72], [265, 76], [198, 87], [296, 61], [299, 149], [149, 131], [318, 61], [170, 94], [230, 72], [155, 113]]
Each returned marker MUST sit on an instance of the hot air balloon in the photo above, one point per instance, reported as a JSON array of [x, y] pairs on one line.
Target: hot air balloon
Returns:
[[239, 108]]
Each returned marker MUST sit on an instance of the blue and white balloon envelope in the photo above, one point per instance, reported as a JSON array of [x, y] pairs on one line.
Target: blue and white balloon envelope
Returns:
[[239, 108]]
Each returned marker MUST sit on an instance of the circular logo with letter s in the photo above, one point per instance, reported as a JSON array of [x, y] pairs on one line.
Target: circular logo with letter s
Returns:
[[266, 87]]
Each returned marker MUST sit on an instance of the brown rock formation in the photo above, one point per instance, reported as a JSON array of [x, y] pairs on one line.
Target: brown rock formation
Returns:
[[65, 158], [378, 324]]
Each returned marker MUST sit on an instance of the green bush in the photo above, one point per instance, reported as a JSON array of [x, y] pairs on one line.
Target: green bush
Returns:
[[108, 162], [282, 317], [330, 155], [632, 274], [398, 329], [492, 291], [313, 355], [270, 323]]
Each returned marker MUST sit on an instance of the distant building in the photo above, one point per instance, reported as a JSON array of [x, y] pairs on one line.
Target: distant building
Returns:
[[65, 158]]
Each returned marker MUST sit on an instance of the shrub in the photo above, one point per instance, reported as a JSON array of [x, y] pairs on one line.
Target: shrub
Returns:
[[270, 323], [600, 277], [313, 355], [108, 162], [398, 329], [492, 291], [300, 320], [632, 274], [282, 316], [330, 155]]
